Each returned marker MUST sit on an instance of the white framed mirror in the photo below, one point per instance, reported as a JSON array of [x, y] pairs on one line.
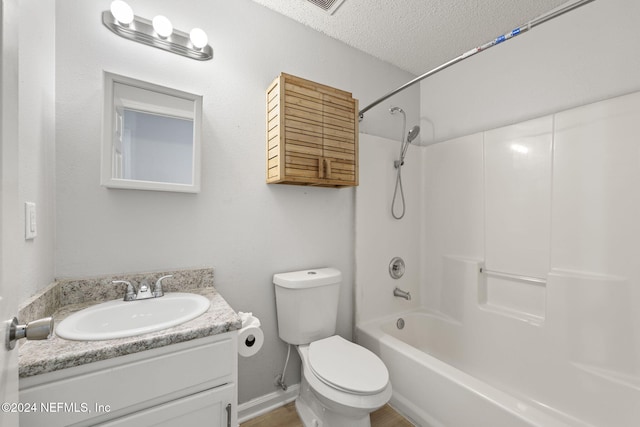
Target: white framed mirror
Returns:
[[151, 136]]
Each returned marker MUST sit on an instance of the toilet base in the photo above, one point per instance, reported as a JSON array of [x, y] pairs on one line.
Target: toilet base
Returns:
[[313, 414]]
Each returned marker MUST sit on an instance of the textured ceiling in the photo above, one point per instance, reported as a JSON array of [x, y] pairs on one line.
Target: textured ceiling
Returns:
[[415, 35]]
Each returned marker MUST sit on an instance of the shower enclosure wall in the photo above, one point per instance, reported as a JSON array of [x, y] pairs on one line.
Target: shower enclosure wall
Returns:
[[521, 246], [528, 270]]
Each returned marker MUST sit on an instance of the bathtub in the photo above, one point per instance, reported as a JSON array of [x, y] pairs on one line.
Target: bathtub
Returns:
[[430, 390]]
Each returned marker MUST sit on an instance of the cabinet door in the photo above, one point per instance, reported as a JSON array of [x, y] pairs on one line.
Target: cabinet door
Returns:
[[302, 108], [208, 408], [130, 383], [340, 140]]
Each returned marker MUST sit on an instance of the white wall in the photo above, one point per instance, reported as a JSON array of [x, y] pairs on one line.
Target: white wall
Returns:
[[37, 140], [581, 57], [244, 228]]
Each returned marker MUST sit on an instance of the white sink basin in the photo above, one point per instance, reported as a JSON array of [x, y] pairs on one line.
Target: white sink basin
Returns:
[[119, 319]]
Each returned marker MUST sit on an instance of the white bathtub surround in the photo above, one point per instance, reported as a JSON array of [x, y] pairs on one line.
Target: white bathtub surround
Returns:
[[522, 373], [517, 188], [453, 202], [553, 200], [517, 181], [530, 289], [380, 237]]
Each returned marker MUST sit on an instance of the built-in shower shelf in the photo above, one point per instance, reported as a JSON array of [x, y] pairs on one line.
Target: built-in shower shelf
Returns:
[[312, 134], [520, 315], [513, 295]]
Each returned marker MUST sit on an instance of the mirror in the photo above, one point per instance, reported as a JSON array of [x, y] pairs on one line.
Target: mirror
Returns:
[[151, 136]]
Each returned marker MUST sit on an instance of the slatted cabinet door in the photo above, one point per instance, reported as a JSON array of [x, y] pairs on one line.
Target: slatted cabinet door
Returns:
[[312, 134], [303, 131], [340, 138]]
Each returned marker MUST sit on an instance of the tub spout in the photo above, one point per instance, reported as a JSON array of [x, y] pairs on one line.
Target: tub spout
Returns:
[[397, 292]]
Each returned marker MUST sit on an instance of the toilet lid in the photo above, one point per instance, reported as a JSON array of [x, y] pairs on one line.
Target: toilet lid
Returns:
[[347, 366]]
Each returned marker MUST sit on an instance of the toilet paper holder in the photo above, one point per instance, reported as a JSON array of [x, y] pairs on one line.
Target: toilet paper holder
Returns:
[[250, 335]]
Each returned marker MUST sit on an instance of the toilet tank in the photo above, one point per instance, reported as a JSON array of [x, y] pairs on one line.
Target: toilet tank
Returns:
[[307, 304]]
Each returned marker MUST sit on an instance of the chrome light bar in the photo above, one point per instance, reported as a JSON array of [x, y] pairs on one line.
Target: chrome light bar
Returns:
[[141, 30]]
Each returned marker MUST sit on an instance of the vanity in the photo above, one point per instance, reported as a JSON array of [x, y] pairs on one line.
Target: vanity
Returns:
[[185, 375]]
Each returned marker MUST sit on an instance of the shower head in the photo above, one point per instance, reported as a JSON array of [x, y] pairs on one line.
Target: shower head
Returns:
[[394, 110], [413, 133]]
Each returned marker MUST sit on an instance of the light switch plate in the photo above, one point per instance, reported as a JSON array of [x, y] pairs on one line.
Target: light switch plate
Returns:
[[30, 224]]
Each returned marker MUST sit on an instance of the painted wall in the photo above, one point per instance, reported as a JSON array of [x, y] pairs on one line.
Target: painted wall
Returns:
[[37, 141], [578, 58], [245, 229]]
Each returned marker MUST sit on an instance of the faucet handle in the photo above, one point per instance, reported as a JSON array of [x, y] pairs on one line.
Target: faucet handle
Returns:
[[131, 290], [157, 289]]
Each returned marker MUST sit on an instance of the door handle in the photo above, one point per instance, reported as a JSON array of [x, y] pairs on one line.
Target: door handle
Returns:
[[40, 329]]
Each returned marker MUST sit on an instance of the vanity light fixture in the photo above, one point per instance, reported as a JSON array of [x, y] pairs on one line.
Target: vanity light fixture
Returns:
[[162, 26], [122, 12], [157, 33], [198, 38]]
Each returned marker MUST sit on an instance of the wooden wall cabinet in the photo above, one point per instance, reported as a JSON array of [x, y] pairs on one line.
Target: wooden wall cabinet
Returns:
[[312, 134]]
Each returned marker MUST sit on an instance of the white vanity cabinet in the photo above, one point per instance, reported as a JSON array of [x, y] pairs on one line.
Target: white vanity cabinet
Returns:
[[192, 383]]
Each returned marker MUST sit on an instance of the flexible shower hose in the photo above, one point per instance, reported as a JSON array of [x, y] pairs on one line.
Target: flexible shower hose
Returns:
[[395, 193]]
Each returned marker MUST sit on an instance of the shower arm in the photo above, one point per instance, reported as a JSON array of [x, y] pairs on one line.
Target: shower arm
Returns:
[[537, 21]]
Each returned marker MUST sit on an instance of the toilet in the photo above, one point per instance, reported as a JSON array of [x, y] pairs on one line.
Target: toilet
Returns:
[[342, 382]]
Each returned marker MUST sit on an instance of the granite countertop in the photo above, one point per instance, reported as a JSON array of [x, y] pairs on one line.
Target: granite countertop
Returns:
[[39, 357]]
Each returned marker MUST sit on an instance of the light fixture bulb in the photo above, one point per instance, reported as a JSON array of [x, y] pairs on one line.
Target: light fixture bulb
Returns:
[[198, 38], [122, 12], [162, 26]]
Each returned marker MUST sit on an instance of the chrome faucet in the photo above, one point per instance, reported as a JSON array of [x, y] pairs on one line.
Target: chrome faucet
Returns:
[[397, 292], [144, 291]]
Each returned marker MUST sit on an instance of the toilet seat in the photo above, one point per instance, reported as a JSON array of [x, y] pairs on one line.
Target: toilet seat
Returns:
[[346, 366]]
